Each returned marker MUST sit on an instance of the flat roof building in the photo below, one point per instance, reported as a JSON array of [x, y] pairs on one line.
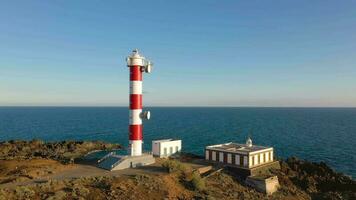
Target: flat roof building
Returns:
[[240, 155], [166, 147]]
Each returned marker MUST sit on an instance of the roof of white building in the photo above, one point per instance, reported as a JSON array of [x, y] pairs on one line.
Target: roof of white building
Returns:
[[164, 140], [235, 147]]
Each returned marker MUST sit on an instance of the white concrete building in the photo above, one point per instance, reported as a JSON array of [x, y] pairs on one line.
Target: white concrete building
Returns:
[[166, 147], [240, 155]]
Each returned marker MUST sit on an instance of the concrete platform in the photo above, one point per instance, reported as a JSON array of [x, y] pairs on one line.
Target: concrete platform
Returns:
[[113, 162]]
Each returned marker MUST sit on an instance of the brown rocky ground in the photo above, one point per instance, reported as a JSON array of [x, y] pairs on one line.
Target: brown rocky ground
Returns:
[[176, 180], [20, 170], [317, 180], [64, 152]]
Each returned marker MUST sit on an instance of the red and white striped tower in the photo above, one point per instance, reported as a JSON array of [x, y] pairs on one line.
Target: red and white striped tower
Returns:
[[137, 64]]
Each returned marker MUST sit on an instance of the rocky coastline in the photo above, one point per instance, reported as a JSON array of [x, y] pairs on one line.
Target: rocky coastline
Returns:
[[21, 162]]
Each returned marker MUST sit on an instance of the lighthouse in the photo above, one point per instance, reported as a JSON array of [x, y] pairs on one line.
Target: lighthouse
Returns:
[[137, 65]]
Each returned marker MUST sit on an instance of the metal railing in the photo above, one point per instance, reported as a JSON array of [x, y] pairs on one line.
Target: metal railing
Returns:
[[106, 156]]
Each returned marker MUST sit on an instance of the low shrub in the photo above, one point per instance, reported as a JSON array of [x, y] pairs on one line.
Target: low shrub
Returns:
[[191, 179], [174, 166], [197, 181], [24, 192]]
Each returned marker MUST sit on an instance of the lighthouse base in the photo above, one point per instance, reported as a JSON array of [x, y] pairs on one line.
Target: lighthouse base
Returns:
[[113, 162]]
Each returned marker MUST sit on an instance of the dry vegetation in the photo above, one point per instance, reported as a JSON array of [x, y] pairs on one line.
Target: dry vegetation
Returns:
[[185, 174], [65, 151]]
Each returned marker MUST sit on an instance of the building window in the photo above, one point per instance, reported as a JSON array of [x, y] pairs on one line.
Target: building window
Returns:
[[206, 155], [165, 151], [237, 159], [213, 155], [170, 150], [245, 161], [176, 148], [253, 160], [229, 158], [221, 157]]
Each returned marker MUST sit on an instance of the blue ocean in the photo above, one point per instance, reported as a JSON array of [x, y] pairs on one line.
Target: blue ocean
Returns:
[[316, 134]]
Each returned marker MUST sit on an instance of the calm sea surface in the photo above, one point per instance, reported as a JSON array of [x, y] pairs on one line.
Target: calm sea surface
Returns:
[[317, 134]]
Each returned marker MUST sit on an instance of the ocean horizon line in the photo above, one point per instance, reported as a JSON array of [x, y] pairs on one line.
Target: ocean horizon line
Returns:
[[171, 106]]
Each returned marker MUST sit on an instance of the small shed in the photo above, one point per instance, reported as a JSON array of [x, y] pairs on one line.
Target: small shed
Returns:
[[166, 147]]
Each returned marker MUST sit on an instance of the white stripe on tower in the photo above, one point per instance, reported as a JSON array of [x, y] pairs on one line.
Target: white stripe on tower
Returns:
[[136, 87], [135, 118]]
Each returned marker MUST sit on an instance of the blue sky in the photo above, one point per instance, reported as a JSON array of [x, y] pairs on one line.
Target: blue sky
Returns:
[[206, 53]]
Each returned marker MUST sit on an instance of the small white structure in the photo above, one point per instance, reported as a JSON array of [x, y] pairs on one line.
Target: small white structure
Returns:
[[166, 147]]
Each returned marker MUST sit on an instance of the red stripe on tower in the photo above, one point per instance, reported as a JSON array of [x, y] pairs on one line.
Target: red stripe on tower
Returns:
[[135, 73], [135, 132], [135, 101]]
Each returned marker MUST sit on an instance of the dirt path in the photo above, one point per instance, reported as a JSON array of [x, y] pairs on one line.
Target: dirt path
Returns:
[[81, 170]]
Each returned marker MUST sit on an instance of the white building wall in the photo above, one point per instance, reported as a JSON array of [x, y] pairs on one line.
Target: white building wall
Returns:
[[206, 155], [255, 157], [165, 148], [250, 161], [155, 148]]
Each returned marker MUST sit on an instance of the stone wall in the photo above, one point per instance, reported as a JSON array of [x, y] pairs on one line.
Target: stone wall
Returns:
[[267, 185], [263, 169]]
